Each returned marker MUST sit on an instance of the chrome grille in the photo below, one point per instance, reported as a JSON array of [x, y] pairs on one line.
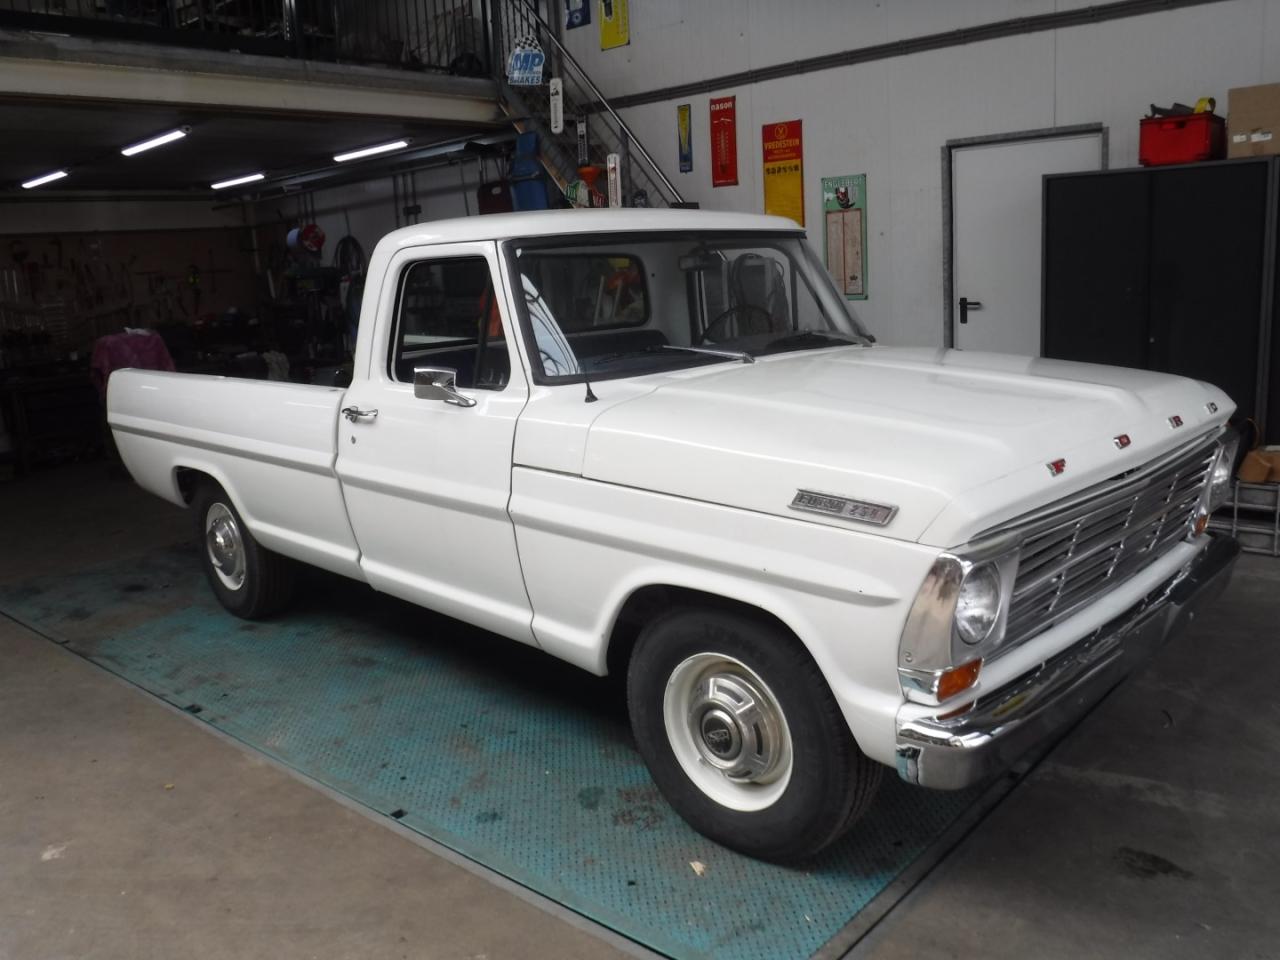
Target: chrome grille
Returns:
[[1076, 551]]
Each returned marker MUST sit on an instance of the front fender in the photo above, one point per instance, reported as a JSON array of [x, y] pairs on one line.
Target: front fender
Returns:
[[586, 547]]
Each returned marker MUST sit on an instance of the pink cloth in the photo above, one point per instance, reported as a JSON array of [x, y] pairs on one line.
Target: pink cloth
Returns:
[[144, 350]]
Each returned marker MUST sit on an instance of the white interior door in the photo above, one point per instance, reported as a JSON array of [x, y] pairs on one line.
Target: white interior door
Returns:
[[996, 204]]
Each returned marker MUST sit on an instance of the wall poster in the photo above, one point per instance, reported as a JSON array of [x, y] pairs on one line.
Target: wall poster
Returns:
[[724, 142], [784, 169], [577, 13], [615, 24], [524, 66], [684, 135], [844, 208]]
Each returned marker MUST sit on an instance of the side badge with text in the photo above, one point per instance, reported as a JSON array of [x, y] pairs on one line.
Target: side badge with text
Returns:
[[846, 508]]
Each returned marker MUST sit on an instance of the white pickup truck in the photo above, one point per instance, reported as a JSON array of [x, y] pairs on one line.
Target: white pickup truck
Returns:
[[657, 443]]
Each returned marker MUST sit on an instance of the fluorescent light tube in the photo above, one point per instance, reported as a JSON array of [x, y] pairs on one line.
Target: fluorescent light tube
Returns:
[[47, 178], [159, 141], [237, 181], [370, 151]]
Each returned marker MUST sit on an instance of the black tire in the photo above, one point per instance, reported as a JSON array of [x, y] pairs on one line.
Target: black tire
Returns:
[[268, 578], [832, 783]]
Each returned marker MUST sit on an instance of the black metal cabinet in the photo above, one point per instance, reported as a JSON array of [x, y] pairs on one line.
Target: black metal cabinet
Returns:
[[1167, 269], [1096, 263]]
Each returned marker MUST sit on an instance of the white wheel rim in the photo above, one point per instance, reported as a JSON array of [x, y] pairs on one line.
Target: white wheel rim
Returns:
[[728, 732], [225, 546]]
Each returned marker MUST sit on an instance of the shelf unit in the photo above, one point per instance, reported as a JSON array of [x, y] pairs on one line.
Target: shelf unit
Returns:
[[1252, 516]]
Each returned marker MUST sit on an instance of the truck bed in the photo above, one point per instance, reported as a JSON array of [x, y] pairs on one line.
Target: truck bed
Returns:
[[271, 445]]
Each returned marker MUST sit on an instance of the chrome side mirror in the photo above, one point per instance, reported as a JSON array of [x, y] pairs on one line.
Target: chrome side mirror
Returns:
[[439, 383]]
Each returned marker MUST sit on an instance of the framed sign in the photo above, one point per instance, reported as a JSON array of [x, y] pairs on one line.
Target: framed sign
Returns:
[[556, 104], [615, 24], [724, 142], [783, 145], [684, 136], [844, 210], [613, 172], [577, 13]]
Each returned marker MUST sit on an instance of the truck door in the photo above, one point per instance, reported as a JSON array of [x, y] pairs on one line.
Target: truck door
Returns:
[[426, 467]]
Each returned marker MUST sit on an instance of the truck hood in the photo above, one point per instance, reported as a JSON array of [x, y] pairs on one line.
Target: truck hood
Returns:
[[957, 441]]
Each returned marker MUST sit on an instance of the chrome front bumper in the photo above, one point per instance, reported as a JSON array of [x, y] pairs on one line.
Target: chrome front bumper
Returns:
[[962, 750]]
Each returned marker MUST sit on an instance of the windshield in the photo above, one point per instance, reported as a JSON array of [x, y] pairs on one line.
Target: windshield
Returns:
[[610, 306]]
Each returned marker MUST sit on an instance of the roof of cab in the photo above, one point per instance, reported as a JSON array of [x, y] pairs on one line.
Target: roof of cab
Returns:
[[541, 223]]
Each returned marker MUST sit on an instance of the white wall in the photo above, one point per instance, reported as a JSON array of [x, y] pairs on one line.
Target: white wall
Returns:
[[890, 118]]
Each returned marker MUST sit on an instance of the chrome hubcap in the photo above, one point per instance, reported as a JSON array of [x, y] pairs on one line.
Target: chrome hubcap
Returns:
[[727, 731], [225, 546], [736, 726]]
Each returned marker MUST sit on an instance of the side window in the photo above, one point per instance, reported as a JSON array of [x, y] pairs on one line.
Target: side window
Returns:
[[447, 316]]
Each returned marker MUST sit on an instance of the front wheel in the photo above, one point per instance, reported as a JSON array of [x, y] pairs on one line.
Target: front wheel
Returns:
[[743, 736], [247, 578]]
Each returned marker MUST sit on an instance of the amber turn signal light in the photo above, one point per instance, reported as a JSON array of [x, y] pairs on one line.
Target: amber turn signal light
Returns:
[[958, 679]]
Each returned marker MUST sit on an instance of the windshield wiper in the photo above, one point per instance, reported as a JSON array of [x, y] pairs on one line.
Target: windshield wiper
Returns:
[[738, 355], [806, 338]]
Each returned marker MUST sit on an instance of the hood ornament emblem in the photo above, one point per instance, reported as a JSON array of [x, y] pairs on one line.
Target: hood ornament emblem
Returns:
[[1056, 467], [1175, 421], [846, 508], [1122, 441], [1211, 407]]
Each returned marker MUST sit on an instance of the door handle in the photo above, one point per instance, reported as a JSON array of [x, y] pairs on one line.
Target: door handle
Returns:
[[966, 305], [355, 413]]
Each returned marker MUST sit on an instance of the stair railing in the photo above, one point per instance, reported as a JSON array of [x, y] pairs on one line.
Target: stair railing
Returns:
[[529, 108]]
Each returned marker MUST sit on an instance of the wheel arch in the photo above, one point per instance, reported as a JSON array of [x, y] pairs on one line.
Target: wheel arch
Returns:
[[655, 592], [187, 478], [644, 602]]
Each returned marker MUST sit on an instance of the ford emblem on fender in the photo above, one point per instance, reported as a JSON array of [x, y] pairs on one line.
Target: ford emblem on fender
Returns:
[[1123, 441], [847, 508], [1057, 466]]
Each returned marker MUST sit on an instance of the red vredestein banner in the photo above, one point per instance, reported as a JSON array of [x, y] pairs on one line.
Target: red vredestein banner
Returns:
[[724, 142]]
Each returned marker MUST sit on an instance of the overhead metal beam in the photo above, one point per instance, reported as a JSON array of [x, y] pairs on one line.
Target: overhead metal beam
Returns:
[[94, 70]]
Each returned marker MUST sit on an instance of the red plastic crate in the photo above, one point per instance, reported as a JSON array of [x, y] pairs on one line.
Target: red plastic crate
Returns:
[[1185, 138]]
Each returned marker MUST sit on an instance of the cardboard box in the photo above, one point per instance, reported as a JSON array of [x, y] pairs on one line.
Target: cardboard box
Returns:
[[1253, 121]]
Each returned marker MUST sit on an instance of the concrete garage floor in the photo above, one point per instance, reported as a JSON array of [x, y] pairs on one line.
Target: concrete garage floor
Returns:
[[1149, 832]]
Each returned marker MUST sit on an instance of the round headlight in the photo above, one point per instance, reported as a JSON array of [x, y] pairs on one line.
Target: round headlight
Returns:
[[1222, 474], [978, 604]]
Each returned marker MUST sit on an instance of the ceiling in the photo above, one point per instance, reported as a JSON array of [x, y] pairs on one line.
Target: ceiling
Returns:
[[85, 139]]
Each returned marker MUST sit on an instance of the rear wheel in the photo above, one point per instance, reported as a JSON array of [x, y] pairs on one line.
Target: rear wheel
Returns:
[[743, 736], [248, 579]]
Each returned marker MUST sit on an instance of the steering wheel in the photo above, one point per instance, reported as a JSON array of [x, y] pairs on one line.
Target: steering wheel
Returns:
[[722, 320]]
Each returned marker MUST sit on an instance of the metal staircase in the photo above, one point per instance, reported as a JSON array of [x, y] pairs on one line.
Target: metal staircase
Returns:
[[529, 107]]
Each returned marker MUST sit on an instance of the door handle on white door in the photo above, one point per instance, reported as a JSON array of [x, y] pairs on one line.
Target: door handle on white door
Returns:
[[966, 305], [355, 414]]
